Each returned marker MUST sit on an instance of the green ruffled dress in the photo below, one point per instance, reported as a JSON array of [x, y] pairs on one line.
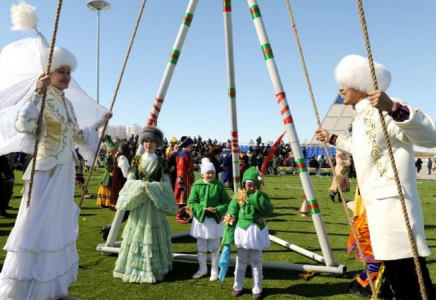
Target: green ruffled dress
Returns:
[[146, 254]]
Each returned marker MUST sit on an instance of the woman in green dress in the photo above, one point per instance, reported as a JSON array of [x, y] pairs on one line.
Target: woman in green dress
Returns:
[[146, 253]]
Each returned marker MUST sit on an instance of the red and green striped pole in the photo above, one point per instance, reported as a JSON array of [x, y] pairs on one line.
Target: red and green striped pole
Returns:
[[228, 32], [268, 55], [172, 62]]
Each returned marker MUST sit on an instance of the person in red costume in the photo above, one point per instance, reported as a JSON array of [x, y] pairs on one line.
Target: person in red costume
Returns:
[[185, 178]]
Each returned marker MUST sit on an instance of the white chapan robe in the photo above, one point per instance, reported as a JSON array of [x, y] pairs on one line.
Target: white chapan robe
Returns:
[[387, 226]]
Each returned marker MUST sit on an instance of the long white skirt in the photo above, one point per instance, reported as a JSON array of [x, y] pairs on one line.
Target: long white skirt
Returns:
[[209, 229], [252, 238], [42, 259]]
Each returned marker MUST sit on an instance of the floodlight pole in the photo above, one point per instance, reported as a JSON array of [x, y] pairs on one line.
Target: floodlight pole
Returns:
[[98, 5]]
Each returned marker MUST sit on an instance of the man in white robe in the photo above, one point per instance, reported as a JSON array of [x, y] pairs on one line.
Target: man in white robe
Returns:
[[406, 126]]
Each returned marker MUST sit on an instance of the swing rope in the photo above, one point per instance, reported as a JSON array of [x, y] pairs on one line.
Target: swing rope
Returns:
[[391, 156], [138, 20], [315, 109], [41, 113]]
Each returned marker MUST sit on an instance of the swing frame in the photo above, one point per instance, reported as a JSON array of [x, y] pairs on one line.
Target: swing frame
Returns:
[[327, 261]]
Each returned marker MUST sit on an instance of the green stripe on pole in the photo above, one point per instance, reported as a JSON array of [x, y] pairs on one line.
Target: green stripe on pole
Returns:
[[255, 12], [267, 51], [300, 161], [312, 202], [227, 6], [187, 20], [315, 211], [232, 93], [313, 206], [302, 170], [174, 57]]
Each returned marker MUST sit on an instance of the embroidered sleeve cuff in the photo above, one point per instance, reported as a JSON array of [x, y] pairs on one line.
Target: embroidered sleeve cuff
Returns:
[[36, 98], [333, 139], [401, 114]]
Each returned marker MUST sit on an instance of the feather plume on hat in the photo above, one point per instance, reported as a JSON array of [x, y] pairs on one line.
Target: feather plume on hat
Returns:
[[353, 72], [23, 17]]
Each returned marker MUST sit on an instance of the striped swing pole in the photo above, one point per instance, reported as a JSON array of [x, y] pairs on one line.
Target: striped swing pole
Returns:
[[292, 133], [171, 64], [228, 32], [374, 288]]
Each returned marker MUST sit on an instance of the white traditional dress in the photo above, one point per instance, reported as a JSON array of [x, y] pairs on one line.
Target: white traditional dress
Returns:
[[42, 259], [376, 179]]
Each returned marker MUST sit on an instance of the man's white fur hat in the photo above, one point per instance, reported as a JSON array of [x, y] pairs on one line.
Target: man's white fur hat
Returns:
[[353, 72], [61, 57]]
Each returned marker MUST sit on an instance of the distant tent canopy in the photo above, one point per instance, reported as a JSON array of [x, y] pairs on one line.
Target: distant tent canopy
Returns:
[[337, 120], [123, 131]]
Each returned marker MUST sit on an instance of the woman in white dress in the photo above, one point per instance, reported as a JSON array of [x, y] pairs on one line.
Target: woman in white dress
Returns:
[[42, 259]]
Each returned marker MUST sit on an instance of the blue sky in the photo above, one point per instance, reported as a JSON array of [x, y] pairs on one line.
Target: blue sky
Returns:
[[402, 37]]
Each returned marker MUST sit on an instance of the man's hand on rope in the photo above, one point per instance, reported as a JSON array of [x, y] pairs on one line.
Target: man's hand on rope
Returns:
[[42, 84], [322, 135], [381, 101]]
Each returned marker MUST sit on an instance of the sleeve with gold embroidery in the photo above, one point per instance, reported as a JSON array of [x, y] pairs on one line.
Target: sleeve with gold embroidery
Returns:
[[78, 135], [343, 143], [27, 118], [419, 129]]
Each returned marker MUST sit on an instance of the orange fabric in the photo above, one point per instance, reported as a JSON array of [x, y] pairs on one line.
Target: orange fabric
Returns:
[[362, 231]]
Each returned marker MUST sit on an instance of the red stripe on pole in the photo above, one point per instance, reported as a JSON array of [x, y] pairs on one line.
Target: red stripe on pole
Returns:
[[153, 116], [157, 108], [280, 96], [301, 166], [313, 206], [159, 100], [235, 151], [284, 110], [174, 56], [234, 134], [266, 51], [236, 178], [288, 120], [149, 122]]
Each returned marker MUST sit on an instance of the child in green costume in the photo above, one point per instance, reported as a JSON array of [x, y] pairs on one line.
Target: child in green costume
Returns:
[[208, 202], [246, 228]]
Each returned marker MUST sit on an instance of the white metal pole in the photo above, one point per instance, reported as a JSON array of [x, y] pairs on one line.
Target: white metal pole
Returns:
[[228, 31], [292, 133], [171, 65], [98, 56]]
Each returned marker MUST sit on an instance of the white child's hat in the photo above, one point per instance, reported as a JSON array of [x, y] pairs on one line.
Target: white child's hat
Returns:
[[353, 71], [206, 167]]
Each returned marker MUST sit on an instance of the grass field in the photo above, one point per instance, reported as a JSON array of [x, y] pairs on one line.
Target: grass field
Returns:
[[95, 279]]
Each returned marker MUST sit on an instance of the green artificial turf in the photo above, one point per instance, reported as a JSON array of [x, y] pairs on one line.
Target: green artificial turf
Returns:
[[95, 279]]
